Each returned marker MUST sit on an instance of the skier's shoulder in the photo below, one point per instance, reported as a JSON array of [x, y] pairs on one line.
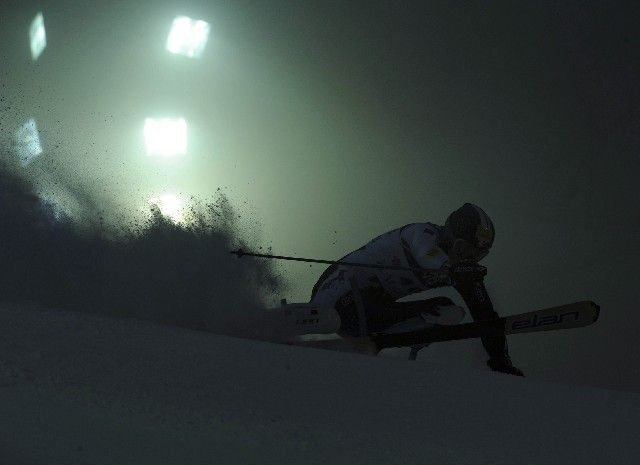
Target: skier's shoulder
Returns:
[[421, 240], [420, 234]]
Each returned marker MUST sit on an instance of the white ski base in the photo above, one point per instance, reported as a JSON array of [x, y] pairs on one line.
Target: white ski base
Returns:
[[294, 319], [77, 388]]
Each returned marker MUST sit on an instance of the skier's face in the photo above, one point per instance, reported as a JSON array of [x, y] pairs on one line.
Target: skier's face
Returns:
[[464, 250]]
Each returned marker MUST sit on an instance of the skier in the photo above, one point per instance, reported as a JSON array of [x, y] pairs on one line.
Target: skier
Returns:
[[440, 256]]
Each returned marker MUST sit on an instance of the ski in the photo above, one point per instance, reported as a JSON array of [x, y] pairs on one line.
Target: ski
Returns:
[[567, 316]]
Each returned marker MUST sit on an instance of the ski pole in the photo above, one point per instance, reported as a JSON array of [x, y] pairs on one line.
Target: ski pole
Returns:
[[241, 253]]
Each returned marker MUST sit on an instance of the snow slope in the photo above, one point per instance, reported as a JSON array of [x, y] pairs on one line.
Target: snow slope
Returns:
[[84, 389]]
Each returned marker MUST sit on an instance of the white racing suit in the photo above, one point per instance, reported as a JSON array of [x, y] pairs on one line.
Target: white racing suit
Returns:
[[412, 246]]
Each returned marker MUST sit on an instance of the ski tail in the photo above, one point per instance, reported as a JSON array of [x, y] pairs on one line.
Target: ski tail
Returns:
[[568, 316]]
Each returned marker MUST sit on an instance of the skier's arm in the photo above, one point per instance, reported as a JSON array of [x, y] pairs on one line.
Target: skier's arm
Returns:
[[468, 280], [475, 295]]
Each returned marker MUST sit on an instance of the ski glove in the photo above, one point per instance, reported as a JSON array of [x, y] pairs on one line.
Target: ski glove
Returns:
[[503, 365]]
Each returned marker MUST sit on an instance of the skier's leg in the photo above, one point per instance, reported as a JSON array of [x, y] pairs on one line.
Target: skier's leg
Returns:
[[420, 314], [438, 310], [436, 307], [376, 303]]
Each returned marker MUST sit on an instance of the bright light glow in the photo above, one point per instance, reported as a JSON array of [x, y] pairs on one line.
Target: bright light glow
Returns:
[[170, 206], [37, 36], [165, 137], [28, 142], [188, 36]]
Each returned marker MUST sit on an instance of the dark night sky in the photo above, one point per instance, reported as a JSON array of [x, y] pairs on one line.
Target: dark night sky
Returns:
[[331, 122]]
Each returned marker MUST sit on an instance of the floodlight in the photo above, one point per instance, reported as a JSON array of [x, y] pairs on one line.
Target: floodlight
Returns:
[[165, 137], [188, 36], [37, 36], [170, 206], [28, 142]]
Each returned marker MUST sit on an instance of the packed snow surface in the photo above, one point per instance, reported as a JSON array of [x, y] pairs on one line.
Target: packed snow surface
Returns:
[[83, 389]]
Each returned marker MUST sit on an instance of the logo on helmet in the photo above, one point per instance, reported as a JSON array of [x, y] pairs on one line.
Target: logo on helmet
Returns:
[[484, 236]]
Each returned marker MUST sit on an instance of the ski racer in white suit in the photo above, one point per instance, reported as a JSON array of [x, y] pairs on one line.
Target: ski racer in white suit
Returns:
[[439, 256]]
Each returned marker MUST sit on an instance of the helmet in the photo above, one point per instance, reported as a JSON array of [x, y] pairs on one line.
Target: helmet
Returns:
[[469, 233]]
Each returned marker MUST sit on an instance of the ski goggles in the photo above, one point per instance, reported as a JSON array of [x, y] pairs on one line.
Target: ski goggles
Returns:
[[465, 250]]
